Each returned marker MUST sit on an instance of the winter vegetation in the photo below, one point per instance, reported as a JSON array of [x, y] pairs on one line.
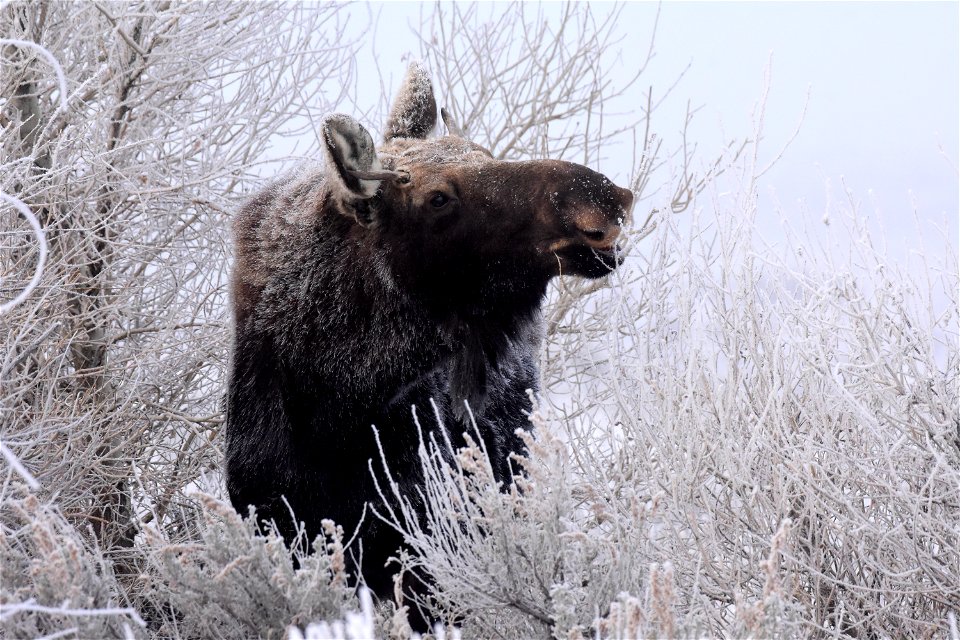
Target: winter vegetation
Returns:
[[733, 438]]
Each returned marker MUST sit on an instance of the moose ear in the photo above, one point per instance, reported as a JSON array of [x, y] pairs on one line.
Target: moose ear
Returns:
[[350, 153], [414, 112]]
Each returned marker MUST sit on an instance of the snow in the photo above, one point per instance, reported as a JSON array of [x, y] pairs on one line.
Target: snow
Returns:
[[414, 112]]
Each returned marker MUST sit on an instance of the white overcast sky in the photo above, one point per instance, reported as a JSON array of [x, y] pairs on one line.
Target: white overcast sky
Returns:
[[883, 109]]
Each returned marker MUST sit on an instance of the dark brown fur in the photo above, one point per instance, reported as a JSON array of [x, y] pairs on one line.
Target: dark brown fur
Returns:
[[357, 299]]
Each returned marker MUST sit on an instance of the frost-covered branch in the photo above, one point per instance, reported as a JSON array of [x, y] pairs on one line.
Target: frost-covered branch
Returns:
[[41, 259]]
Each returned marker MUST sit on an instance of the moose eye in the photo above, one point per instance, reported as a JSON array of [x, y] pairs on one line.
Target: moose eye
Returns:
[[438, 200]]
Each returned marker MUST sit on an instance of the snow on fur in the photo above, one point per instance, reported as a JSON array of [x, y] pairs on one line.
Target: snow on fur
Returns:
[[414, 112]]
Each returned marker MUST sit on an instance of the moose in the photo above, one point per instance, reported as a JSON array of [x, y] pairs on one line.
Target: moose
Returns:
[[409, 276]]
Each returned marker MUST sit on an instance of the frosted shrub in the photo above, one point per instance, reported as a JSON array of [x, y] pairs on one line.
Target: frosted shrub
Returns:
[[53, 581], [496, 556], [229, 582], [818, 390], [356, 625], [233, 582]]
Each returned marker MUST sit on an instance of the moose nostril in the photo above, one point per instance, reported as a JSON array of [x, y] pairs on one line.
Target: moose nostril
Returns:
[[602, 239]]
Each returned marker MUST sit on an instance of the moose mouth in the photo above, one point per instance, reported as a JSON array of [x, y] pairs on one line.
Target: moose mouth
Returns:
[[591, 262], [610, 252], [611, 256]]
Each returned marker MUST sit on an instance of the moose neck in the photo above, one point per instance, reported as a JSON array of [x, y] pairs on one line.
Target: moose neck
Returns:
[[474, 296], [481, 311], [488, 333]]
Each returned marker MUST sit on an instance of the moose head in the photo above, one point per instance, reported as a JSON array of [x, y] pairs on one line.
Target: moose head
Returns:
[[459, 223]]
